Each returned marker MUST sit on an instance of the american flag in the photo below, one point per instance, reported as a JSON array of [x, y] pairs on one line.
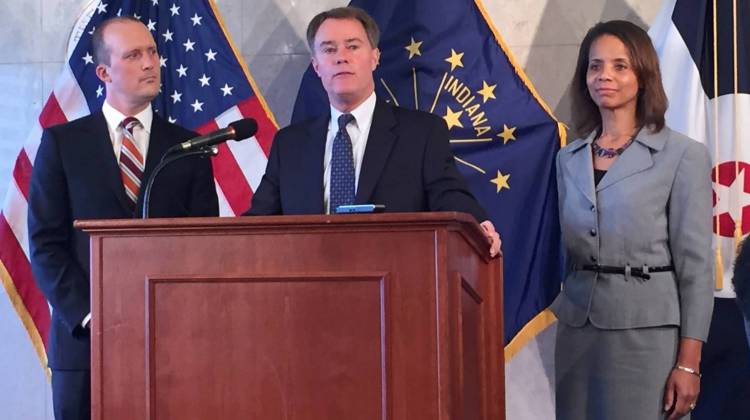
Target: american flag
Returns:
[[205, 86]]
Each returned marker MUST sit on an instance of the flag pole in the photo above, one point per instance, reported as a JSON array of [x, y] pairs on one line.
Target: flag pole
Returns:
[[719, 263], [737, 143]]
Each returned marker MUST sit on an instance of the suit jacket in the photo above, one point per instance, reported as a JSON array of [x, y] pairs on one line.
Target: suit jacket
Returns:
[[76, 177], [407, 166], [653, 207]]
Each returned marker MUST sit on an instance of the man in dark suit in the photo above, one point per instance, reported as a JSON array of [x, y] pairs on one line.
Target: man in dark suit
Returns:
[[365, 150], [91, 168]]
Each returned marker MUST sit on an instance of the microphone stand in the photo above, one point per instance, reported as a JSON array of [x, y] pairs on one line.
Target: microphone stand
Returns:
[[171, 151], [166, 160], [176, 149]]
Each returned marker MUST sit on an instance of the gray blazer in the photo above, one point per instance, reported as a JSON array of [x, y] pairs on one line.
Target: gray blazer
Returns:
[[653, 207]]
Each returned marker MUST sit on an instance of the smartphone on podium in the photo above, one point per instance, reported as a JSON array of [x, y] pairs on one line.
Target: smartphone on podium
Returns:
[[360, 208]]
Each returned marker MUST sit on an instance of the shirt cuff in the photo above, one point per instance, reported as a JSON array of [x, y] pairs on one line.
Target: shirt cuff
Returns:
[[86, 321]]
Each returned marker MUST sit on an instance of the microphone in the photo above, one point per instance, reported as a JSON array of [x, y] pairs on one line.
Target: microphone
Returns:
[[238, 130]]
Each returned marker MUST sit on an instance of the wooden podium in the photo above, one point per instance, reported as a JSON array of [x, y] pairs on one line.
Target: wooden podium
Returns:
[[389, 316]]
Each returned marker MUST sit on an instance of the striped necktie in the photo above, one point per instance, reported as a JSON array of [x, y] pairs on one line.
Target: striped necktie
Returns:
[[342, 167], [131, 160]]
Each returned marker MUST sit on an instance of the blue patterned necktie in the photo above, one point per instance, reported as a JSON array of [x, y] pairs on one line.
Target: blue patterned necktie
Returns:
[[342, 167]]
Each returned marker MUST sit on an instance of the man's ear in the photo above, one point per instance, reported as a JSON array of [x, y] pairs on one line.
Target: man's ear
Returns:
[[376, 58], [314, 63], [102, 72]]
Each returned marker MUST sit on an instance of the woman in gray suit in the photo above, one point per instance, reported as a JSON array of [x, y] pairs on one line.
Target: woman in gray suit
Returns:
[[635, 210]]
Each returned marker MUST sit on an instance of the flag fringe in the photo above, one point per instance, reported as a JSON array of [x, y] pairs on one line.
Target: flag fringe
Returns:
[[241, 60], [25, 317], [719, 269], [529, 331], [518, 69]]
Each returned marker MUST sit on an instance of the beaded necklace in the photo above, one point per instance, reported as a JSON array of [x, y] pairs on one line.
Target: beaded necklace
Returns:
[[608, 152]]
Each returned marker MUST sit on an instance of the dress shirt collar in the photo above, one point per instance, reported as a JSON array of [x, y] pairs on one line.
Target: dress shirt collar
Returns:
[[115, 117], [362, 113]]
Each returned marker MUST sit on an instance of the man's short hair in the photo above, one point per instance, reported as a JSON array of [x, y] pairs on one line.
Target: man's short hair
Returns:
[[101, 52], [350, 12]]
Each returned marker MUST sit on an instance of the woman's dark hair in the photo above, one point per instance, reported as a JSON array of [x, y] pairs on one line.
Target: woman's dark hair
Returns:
[[652, 101]]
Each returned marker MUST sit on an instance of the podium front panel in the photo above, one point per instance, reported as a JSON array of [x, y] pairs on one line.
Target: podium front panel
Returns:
[[285, 343], [392, 317]]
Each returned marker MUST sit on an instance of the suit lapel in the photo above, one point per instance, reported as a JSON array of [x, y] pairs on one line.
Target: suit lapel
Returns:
[[311, 163], [104, 152], [636, 158], [580, 165], [380, 141]]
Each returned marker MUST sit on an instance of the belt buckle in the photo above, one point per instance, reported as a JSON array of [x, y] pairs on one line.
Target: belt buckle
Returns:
[[646, 276]]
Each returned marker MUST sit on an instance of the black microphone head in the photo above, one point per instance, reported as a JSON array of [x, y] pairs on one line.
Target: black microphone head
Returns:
[[244, 128]]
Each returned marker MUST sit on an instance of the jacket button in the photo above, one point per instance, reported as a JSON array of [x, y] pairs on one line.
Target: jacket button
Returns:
[[593, 258], [593, 232], [593, 208]]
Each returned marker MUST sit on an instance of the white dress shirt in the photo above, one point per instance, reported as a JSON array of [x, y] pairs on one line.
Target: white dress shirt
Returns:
[[359, 130], [140, 133]]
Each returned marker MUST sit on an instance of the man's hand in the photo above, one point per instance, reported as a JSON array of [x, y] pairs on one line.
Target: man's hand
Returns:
[[492, 236]]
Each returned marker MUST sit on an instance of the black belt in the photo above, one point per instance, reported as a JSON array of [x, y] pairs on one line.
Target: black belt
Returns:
[[642, 272]]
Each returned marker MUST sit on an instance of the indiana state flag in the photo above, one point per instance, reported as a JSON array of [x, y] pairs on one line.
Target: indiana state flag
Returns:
[[445, 57], [704, 52]]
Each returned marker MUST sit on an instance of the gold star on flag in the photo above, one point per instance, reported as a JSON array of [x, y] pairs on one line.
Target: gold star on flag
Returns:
[[487, 91], [413, 48], [455, 59], [501, 181], [453, 118], [507, 134]]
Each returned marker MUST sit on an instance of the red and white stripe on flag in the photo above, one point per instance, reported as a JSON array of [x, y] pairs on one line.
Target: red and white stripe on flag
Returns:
[[238, 167]]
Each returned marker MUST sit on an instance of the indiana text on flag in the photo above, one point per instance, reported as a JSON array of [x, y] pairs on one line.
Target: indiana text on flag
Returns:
[[704, 49], [205, 86], [445, 57]]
